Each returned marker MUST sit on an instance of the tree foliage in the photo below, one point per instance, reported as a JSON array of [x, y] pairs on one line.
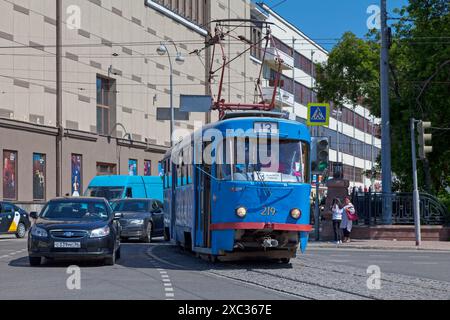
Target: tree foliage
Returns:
[[419, 83]]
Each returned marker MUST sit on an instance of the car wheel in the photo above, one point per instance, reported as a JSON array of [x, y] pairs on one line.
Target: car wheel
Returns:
[[166, 234], [148, 237], [34, 261], [118, 254], [21, 231], [110, 261]]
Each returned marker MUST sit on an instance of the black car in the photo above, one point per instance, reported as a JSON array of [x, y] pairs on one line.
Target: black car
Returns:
[[142, 218], [75, 228], [13, 220]]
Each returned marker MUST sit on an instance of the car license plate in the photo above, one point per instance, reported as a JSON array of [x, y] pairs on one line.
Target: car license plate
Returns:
[[68, 245]]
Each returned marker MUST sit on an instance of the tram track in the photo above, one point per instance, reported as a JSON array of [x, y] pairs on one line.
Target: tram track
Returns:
[[273, 279]]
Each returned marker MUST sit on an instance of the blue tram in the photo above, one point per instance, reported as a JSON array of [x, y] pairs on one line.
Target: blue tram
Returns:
[[240, 188]]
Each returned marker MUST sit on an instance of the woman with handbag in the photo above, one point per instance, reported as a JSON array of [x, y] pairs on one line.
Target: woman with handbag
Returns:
[[348, 216]]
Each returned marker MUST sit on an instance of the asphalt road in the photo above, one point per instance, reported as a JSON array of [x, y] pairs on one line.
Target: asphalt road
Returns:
[[161, 271]]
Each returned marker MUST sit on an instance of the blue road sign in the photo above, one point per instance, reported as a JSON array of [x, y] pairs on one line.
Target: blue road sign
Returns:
[[318, 114]]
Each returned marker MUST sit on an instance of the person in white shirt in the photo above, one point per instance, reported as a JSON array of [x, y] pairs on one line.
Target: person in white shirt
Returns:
[[336, 210], [348, 216]]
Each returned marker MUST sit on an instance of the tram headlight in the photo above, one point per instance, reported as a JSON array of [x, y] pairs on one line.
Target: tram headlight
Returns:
[[241, 212], [296, 213]]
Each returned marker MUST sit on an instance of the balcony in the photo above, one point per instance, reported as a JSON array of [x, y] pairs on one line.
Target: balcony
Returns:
[[282, 99], [272, 59]]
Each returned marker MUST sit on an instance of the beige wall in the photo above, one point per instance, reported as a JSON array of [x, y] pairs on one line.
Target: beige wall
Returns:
[[28, 88]]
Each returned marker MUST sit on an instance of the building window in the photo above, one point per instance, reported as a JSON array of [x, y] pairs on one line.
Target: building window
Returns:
[[10, 175], [106, 169], [39, 176], [77, 175], [256, 39], [106, 97], [147, 168], [193, 10], [132, 167]]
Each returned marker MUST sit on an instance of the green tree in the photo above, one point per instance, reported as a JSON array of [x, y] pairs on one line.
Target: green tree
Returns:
[[419, 86]]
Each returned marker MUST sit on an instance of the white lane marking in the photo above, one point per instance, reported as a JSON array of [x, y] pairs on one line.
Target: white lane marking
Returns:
[[425, 263], [167, 283], [338, 261]]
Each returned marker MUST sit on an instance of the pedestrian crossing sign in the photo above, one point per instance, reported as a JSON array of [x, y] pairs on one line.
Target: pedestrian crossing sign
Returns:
[[318, 114]]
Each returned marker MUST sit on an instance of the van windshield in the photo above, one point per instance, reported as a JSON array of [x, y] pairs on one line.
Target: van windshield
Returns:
[[109, 193]]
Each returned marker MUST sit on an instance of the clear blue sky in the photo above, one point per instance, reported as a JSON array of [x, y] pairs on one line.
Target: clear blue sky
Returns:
[[323, 19]]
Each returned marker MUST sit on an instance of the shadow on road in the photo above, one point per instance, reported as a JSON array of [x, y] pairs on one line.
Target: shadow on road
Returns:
[[175, 258], [135, 254]]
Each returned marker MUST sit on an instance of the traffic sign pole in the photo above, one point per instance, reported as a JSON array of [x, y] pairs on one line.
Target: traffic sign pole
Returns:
[[416, 195]]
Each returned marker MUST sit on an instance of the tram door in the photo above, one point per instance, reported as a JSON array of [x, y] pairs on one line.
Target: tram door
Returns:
[[203, 211]]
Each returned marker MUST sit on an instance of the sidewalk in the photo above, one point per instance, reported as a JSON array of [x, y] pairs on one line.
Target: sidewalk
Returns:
[[384, 245]]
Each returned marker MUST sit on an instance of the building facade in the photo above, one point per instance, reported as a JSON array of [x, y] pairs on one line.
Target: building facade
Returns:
[[112, 83], [354, 133], [113, 80]]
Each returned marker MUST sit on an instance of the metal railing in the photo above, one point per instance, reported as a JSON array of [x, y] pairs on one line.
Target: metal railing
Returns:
[[369, 207]]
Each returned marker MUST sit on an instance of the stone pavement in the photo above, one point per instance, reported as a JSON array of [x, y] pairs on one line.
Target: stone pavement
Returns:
[[384, 245]]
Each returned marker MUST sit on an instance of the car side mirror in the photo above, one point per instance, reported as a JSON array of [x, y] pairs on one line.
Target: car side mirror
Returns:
[[118, 216], [34, 215]]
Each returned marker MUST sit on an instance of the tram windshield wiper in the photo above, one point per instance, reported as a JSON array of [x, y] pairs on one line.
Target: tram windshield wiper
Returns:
[[260, 176]]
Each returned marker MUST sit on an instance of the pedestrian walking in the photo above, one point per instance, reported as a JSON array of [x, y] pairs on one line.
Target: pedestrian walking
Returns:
[[336, 210], [348, 216]]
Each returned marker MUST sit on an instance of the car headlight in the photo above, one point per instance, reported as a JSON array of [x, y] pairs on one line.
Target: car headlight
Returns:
[[137, 222], [39, 232], [241, 212], [100, 233], [296, 214]]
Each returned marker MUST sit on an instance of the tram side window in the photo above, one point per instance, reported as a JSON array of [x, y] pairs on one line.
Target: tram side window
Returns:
[[167, 173], [188, 160]]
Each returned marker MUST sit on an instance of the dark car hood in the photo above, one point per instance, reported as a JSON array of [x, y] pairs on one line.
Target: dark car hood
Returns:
[[135, 215], [65, 224]]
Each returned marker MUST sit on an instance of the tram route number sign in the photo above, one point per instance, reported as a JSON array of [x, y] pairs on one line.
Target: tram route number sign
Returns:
[[266, 127], [318, 114]]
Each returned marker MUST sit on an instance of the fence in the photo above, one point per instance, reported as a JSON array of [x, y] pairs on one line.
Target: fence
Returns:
[[369, 207]]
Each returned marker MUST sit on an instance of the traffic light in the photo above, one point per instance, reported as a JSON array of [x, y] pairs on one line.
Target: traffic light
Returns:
[[320, 155], [424, 138]]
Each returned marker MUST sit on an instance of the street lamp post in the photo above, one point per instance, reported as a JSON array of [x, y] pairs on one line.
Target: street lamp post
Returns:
[[163, 50]]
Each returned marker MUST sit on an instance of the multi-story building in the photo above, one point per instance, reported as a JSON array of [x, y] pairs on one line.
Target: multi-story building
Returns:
[[85, 103], [354, 133], [112, 82]]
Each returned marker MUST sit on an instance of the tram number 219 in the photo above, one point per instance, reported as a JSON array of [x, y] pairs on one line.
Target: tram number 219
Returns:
[[269, 211]]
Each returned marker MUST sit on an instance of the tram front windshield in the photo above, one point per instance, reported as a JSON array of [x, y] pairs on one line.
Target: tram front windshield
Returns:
[[263, 160]]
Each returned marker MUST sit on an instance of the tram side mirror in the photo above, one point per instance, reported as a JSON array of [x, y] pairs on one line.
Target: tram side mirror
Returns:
[[34, 215]]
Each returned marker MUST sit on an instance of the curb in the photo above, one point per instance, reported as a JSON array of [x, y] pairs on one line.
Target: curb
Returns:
[[367, 247]]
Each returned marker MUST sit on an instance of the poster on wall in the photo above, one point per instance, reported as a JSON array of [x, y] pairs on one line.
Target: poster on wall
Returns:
[[132, 167], [147, 168], [39, 176], [77, 182], [9, 175]]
